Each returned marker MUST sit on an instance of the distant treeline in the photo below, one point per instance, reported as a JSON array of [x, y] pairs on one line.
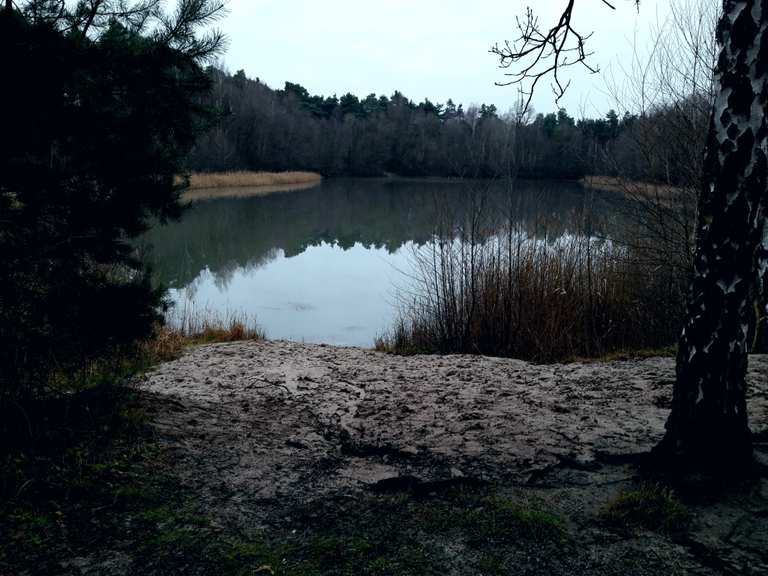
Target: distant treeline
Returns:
[[290, 129]]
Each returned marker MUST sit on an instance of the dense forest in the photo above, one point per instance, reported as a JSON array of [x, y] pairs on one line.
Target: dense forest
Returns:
[[265, 129]]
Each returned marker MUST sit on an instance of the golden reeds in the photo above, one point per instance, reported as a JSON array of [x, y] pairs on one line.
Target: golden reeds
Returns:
[[191, 326], [205, 186], [250, 179]]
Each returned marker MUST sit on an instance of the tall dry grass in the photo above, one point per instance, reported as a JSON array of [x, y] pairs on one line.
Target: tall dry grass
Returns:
[[242, 179], [184, 327], [189, 325], [520, 295]]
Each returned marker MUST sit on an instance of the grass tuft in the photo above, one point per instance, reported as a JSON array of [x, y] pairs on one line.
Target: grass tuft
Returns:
[[651, 506], [501, 520], [190, 326]]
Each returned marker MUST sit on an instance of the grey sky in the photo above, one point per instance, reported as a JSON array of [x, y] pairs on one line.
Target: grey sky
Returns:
[[425, 48]]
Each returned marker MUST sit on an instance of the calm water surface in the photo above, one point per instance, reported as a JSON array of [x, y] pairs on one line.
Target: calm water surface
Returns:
[[328, 264]]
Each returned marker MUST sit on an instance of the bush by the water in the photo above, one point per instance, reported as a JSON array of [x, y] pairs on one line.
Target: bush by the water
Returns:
[[526, 296]]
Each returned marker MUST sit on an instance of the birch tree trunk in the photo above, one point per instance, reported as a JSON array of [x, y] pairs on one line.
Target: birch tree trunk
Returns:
[[708, 426]]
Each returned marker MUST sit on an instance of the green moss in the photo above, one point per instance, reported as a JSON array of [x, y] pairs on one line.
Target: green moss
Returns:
[[491, 519], [502, 520], [30, 528], [251, 557], [174, 526], [491, 565], [651, 506], [130, 493]]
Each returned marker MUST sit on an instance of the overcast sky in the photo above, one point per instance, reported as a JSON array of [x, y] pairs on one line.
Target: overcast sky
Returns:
[[436, 49]]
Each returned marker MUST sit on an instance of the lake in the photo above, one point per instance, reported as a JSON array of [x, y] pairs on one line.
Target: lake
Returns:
[[329, 264]]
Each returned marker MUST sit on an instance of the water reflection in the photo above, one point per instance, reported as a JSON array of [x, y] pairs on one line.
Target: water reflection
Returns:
[[322, 265]]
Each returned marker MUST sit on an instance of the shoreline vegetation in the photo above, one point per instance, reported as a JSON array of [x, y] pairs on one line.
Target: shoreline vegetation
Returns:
[[205, 186], [538, 301], [190, 326]]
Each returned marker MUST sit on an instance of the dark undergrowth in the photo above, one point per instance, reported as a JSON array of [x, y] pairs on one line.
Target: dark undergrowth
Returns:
[[94, 493], [74, 475], [58, 405]]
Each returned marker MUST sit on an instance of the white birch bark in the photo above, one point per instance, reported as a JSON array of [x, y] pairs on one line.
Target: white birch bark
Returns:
[[708, 423]]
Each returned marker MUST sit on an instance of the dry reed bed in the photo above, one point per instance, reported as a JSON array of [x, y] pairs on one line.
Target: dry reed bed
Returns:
[[189, 325], [206, 186], [244, 179]]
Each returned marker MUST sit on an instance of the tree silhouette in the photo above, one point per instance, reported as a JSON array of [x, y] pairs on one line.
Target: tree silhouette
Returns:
[[101, 107]]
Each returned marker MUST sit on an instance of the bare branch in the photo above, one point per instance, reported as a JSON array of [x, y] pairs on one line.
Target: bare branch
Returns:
[[542, 52]]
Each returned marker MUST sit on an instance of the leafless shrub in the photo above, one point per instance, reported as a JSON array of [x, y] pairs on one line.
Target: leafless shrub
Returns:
[[514, 291]]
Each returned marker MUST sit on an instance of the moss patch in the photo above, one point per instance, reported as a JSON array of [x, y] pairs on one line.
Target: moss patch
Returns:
[[651, 506]]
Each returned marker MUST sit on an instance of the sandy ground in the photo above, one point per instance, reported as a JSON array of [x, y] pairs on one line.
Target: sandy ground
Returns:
[[254, 425]]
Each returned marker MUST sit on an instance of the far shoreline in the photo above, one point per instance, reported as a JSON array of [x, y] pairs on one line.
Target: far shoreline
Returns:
[[242, 184]]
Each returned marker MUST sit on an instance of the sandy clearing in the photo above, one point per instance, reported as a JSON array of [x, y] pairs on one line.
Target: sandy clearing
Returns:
[[256, 422]]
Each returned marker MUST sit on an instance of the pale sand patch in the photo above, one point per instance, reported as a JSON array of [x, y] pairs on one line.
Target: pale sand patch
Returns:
[[251, 423]]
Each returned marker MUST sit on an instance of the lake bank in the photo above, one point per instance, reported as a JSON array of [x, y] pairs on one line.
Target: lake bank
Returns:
[[266, 430], [519, 418], [292, 459]]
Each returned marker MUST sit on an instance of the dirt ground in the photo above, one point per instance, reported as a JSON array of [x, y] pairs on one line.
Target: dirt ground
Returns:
[[266, 431]]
